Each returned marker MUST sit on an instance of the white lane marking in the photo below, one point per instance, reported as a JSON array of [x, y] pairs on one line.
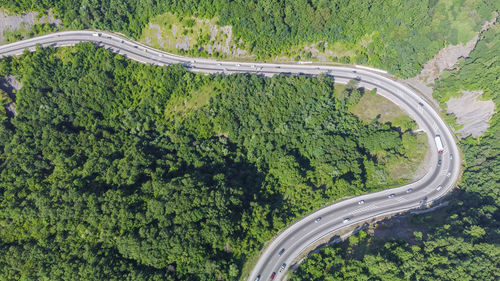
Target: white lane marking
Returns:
[[444, 172], [401, 199], [360, 210], [435, 127]]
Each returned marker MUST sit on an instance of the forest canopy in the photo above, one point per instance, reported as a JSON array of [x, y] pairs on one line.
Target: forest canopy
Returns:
[[116, 170]]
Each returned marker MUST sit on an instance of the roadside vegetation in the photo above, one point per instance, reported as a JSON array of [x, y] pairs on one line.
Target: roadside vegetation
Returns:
[[117, 170], [392, 169], [391, 34], [25, 32], [462, 240]]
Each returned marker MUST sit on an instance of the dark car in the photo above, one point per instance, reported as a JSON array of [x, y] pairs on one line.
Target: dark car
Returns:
[[439, 162], [282, 267], [272, 276], [391, 196], [281, 252], [318, 219], [409, 190], [258, 278]]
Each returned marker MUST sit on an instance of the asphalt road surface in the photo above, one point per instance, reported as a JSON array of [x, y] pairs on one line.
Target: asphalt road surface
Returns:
[[297, 237]]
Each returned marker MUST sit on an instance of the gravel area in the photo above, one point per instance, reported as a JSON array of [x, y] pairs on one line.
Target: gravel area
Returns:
[[13, 22], [472, 113]]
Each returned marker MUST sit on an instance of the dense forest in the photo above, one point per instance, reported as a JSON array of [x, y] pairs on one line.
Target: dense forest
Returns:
[[397, 35], [115, 170], [460, 242]]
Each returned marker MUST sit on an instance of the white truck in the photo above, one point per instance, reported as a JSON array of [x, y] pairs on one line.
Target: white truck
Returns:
[[439, 144]]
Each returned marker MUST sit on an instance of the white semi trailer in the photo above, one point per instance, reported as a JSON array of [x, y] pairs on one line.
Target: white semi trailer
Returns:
[[439, 144]]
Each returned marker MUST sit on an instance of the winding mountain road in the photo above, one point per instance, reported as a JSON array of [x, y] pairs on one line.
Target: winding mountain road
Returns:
[[439, 179]]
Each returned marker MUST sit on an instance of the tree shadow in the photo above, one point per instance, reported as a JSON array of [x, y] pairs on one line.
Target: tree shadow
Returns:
[[9, 85]]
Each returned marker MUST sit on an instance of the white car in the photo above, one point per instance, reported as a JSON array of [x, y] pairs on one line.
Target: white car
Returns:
[[361, 202], [439, 187]]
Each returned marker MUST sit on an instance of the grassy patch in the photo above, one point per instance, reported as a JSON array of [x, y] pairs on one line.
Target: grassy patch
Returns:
[[179, 106], [373, 106]]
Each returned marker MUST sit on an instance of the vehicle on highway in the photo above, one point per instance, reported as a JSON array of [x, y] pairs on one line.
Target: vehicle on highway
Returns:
[[281, 252], [409, 190], [346, 220], [451, 156], [439, 144], [282, 267], [257, 278], [391, 195], [449, 174], [439, 187], [272, 276], [238, 64], [317, 220], [439, 162], [361, 202]]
